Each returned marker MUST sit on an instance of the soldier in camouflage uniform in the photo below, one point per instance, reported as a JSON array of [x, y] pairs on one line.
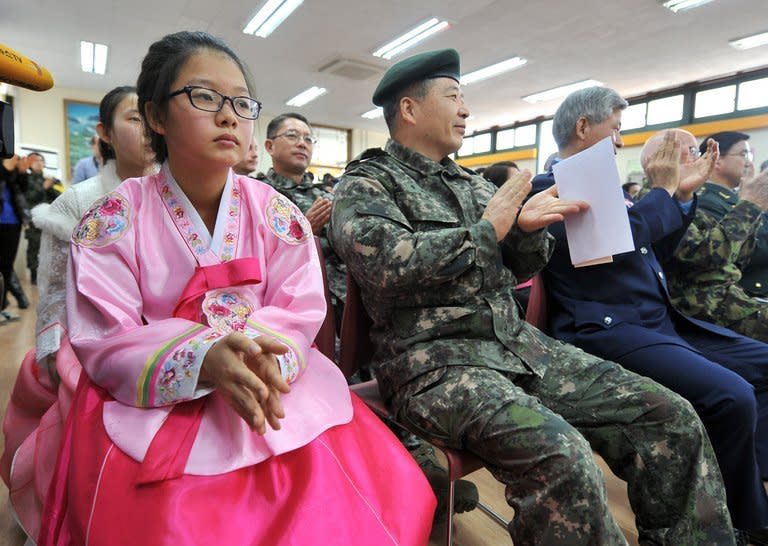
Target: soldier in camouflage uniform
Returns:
[[437, 256], [39, 189], [719, 195], [289, 176], [705, 272], [290, 143]]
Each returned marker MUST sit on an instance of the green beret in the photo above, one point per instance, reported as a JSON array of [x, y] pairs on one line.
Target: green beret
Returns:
[[443, 63]]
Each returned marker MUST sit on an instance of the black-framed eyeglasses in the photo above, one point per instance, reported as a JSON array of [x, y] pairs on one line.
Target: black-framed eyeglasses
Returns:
[[293, 137], [209, 100]]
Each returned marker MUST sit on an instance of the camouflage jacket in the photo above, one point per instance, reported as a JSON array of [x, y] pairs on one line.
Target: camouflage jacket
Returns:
[[431, 273], [304, 195], [754, 276], [705, 271], [718, 201], [34, 191]]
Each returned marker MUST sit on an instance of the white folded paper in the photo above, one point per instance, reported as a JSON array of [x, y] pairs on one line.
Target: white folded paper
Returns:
[[596, 235]]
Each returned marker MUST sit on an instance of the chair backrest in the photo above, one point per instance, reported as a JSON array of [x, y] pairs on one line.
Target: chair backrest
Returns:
[[537, 311], [356, 346], [326, 336]]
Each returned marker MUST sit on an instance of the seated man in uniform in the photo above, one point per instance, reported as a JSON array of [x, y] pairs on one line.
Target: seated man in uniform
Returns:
[[734, 170], [290, 142], [622, 310], [705, 272], [437, 252]]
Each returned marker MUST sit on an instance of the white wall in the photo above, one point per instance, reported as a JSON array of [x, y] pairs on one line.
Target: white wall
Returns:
[[362, 140], [41, 117]]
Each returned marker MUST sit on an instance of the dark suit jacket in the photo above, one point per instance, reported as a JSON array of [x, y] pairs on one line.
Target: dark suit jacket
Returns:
[[613, 309]]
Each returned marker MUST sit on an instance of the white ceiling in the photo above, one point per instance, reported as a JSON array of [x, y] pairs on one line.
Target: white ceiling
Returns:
[[633, 46]]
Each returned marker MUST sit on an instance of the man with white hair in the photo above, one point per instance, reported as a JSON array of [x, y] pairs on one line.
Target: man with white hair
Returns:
[[622, 311], [705, 271]]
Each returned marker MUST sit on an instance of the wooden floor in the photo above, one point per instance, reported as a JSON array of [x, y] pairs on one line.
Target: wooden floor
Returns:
[[472, 529]]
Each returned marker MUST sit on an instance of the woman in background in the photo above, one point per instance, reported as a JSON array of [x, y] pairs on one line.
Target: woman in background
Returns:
[[49, 373]]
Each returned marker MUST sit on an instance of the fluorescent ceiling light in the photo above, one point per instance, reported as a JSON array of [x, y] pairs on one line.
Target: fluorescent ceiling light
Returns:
[[682, 5], [750, 41], [307, 96], [493, 70], [269, 17], [561, 91], [100, 59], [411, 38], [93, 57], [86, 56], [373, 114]]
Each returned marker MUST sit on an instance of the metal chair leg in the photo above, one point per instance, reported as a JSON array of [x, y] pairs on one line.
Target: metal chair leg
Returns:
[[491, 513], [449, 519]]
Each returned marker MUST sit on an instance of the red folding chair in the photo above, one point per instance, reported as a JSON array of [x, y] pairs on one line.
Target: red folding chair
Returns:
[[326, 336], [536, 313], [356, 348]]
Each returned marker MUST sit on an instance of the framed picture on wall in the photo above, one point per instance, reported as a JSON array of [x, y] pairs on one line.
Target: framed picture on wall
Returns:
[[80, 119]]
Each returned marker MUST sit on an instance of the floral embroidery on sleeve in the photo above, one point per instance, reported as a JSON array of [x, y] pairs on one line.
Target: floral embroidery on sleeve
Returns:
[[289, 366], [105, 222], [286, 221], [170, 375]]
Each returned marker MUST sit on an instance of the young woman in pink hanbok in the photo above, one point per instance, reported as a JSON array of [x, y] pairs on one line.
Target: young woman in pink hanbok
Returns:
[[49, 373], [205, 415]]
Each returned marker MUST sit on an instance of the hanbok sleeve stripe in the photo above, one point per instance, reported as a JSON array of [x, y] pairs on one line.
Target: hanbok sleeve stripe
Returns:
[[148, 376]]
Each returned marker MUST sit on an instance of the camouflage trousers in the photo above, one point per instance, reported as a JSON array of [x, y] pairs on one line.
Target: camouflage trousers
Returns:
[[536, 435], [755, 325], [33, 236]]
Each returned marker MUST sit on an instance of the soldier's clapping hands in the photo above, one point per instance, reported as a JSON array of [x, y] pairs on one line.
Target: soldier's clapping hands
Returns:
[[319, 214], [546, 208], [502, 209], [756, 190]]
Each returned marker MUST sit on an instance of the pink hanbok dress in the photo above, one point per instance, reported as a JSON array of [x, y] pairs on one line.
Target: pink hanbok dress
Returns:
[[151, 456], [38, 406]]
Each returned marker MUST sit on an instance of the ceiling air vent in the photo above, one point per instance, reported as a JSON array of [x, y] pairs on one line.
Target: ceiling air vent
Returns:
[[352, 70]]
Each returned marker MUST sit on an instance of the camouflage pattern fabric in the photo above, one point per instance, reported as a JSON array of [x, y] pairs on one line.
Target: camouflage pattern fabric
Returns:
[[705, 272], [304, 195], [461, 367], [35, 195], [754, 276], [718, 201]]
